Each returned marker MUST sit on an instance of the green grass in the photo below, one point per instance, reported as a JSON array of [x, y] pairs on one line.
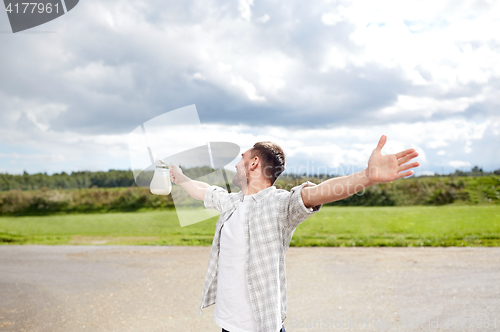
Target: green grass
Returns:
[[451, 225]]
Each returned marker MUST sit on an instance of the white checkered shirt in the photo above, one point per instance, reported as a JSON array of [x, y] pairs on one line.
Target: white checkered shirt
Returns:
[[270, 221]]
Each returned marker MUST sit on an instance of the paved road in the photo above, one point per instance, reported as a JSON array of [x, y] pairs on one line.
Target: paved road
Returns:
[[147, 288]]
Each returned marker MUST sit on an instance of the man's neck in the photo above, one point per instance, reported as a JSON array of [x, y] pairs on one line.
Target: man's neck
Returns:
[[255, 187]]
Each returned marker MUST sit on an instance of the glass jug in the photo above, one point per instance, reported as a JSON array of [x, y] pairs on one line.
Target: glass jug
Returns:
[[160, 184]]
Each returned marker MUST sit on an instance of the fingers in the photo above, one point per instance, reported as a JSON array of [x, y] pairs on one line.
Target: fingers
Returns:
[[381, 142], [176, 174], [405, 174], [407, 158], [172, 177], [404, 153], [408, 166]]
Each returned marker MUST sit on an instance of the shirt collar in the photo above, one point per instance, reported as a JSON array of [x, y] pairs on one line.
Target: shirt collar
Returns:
[[258, 196]]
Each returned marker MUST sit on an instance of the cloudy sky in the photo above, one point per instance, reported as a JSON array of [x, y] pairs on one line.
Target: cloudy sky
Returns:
[[325, 79]]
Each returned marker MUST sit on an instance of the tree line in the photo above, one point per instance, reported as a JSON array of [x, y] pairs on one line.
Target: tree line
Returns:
[[125, 178], [75, 180], [405, 192]]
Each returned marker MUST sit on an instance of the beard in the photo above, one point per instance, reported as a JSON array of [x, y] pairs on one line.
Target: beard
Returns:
[[240, 179]]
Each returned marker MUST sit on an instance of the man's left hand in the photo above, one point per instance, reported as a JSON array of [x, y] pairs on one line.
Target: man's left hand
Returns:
[[387, 168]]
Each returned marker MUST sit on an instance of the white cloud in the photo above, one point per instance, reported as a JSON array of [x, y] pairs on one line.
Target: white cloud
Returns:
[[425, 71], [437, 144], [247, 88], [245, 8], [440, 45], [342, 149], [264, 18], [33, 158], [333, 18], [427, 107], [459, 163], [435, 36], [199, 76], [98, 76], [333, 59], [351, 145], [224, 66], [38, 114]]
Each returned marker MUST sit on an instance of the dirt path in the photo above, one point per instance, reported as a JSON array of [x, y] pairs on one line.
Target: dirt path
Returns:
[[142, 288]]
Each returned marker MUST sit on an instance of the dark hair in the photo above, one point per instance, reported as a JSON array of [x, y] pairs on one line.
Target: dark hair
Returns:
[[272, 159]]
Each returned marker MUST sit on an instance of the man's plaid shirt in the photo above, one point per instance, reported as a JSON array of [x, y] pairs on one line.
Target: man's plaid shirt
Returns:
[[270, 221]]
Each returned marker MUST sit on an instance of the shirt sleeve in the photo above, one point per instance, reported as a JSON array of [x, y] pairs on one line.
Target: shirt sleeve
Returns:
[[215, 197], [297, 211]]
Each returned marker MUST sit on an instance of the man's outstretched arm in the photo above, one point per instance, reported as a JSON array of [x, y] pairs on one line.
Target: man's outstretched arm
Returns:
[[195, 189], [381, 168]]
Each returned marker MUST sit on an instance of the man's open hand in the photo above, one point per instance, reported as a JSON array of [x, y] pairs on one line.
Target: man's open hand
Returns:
[[387, 168]]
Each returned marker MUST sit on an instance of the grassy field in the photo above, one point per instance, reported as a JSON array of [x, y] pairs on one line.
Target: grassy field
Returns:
[[450, 225]]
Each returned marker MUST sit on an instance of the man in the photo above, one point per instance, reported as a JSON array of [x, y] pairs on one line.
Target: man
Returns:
[[246, 271]]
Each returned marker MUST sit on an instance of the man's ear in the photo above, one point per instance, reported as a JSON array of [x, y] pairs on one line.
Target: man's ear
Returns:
[[255, 163]]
